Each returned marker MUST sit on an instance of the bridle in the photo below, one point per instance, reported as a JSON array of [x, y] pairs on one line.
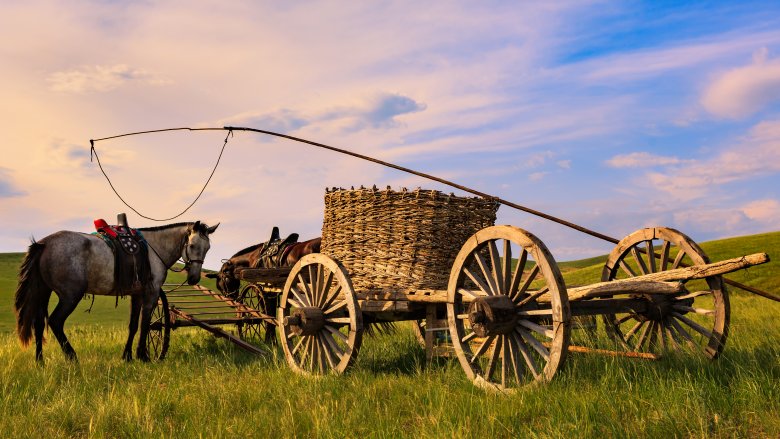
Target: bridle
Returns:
[[186, 256]]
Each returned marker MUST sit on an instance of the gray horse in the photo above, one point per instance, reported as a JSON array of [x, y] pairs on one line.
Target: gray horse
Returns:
[[73, 264]]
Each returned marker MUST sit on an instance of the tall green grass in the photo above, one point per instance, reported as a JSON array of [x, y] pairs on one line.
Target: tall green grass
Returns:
[[208, 388]]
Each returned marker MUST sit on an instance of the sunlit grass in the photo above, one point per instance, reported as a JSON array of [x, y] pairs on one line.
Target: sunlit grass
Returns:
[[206, 387]]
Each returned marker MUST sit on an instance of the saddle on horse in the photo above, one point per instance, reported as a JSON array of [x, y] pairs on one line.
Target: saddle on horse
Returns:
[[275, 251], [132, 270]]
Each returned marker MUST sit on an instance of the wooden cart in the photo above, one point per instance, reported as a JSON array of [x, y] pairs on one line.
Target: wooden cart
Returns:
[[508, 311]]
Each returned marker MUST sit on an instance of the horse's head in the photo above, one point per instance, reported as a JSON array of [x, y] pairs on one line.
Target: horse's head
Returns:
[[195, 249], [227, 283]]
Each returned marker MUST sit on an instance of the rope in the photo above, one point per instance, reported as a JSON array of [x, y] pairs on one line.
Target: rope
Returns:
[[93, 153], [230, 130]]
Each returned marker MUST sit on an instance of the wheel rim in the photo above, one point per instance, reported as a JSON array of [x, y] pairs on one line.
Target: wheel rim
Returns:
[[253, 297], [319, 285], [524, 349], [694, 321], [158, 338]]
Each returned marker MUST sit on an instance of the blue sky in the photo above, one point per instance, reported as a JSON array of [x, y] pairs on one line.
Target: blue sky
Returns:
[[615, 115]]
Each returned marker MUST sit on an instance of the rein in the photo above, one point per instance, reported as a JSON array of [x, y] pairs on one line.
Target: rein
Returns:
[[185, 260]]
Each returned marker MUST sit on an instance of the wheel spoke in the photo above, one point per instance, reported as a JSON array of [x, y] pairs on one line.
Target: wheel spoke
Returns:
[[506, 358], [693, 295], [536, 344], [623, 319], [631, 332], [639, 261], [483, 348], [680, 330], [312, 270], [701, 311], [468, 337], [335, 307], [518, 274], [643, 336], [306, 294], [496, 352], [332, 297], [299, 296], [305, 350], [465, 292], [537, 328], [507, 269], [664, 254], [626, 268], [674, 341], [529, 360], [487, 273], [313, 353], [331, 350], [328, 337], [678, 259], [339, 320], [660, 337], [480, 283], [323, 356], [297, 345], [697, 327], [325, 289], [337, 333], [533, 297], [528, 281], [650, 255], [517, 367], [495, 262]]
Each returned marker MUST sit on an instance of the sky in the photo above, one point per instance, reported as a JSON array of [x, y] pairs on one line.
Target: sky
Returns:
[[612, 115]]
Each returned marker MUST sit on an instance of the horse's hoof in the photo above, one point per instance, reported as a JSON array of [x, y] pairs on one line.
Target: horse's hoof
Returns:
[[127, 357]]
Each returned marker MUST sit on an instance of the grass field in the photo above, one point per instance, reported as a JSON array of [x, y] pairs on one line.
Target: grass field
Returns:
[[207, 388]]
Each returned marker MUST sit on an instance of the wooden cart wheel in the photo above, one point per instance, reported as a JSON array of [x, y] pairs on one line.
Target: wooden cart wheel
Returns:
[[254, 297], [509, 318], [159, 330], [697, 320], [320, 324]]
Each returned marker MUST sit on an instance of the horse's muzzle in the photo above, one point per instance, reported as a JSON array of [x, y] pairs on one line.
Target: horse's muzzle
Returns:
[[192, 279]]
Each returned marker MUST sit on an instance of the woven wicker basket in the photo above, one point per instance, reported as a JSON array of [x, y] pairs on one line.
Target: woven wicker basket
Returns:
[[400, 240]]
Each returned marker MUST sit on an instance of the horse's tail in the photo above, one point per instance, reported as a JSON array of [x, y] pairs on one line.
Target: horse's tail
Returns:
[[30, 293]]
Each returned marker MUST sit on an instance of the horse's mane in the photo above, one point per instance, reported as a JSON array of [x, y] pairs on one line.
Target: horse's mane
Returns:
[[202, 228], [249, 249], [164, 227]]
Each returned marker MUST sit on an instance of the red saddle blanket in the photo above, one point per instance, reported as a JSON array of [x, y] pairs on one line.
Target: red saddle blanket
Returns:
[[129, 239]]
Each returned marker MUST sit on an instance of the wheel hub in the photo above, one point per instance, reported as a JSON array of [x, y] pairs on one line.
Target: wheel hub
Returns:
[[491, 315], [305, 321]]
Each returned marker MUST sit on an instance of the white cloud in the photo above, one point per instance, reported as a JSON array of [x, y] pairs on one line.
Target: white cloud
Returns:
[[99, 78], [765, 211], [745, 90], [646, 63], [642, 160], [564, 164], [756, 155], [536, 176], [748, 218]]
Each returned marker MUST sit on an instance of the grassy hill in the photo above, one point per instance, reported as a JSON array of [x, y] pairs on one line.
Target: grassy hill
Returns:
[[208, 388]]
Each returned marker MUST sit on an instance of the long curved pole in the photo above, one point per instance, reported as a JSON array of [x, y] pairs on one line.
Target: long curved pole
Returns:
[[433, 178]]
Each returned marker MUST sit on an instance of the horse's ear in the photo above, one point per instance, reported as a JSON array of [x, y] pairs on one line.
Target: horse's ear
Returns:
[[274, 234], [212, 229], [196, 226]]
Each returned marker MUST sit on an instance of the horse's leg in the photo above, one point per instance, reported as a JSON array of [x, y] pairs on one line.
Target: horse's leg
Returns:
[[40, 325], [68, 303], [149, 302], [135, 310]]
